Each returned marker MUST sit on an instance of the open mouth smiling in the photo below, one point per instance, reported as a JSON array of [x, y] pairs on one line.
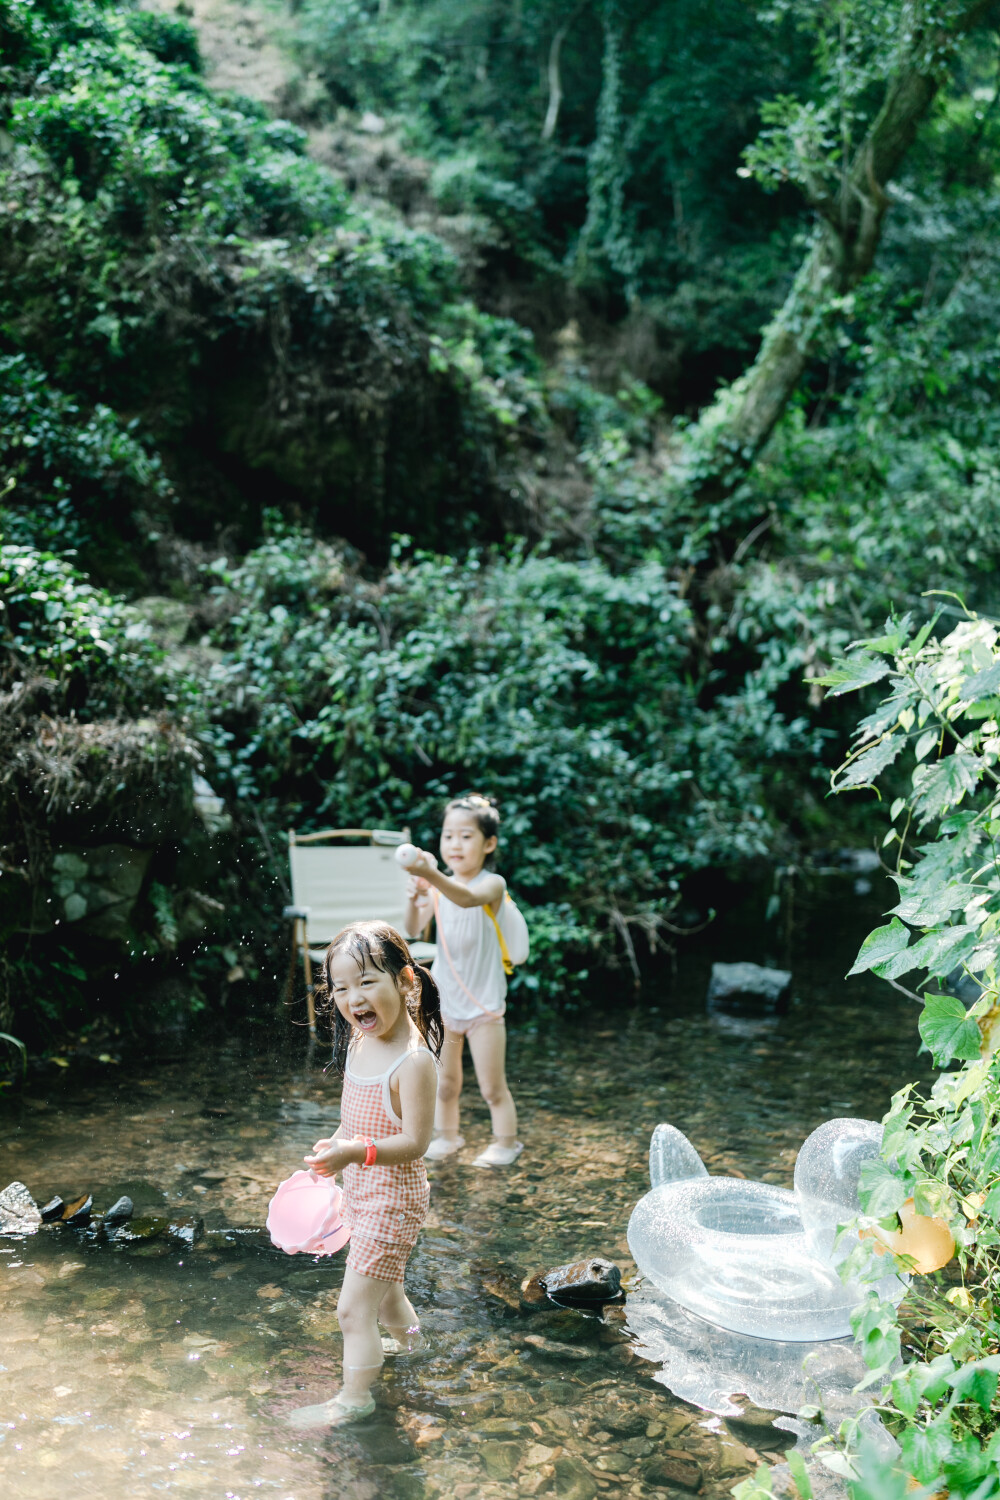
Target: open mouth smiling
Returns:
[[365, 1019]]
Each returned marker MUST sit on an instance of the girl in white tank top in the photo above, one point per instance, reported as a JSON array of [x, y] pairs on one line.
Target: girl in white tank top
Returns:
[[469, 974]]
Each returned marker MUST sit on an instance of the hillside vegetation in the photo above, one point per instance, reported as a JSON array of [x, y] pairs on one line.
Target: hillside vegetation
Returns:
[[344, 490]]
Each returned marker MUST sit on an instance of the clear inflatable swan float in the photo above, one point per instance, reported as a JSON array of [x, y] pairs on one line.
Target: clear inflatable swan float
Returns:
[[749, 1256]]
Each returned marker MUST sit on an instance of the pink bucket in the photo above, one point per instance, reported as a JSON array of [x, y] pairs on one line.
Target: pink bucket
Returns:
[[303, 1217]]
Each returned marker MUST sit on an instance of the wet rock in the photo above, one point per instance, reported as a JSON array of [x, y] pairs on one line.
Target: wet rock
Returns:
[[499, 1459], [537, 1455], [96, 888], [748, 989], [498, 1283], [504, 1427], [77, 1213], [517, 1403], [593, 1280], [613, 1463], [119, 1213], [533, 1294], [559, 1392], [573, 1481], [624, 1420], [53, 1209], [555, 1350], [755, 1426], [18, 1210], [142, 1230], [100, 1298], [244, 1239], [185, 1233], [384, 1445], [409, 1487], [672, 1469], [637, 1447]]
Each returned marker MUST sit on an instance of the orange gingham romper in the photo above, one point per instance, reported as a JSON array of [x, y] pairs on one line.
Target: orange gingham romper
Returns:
[[384, 1207]]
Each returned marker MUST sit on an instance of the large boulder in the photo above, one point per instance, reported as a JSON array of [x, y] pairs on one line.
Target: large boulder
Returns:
[[94, 888], [746, 989]]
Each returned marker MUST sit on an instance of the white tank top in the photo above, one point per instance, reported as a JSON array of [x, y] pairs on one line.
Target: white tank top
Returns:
[[470, 941]]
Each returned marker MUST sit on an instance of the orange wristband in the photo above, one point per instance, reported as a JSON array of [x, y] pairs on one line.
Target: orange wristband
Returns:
[[370, 1152]]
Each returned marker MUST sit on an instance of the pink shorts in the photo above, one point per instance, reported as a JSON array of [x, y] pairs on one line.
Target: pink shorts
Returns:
[[466, 1025]]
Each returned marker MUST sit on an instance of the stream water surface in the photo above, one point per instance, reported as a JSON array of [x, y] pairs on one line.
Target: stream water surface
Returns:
[[153, 1370]]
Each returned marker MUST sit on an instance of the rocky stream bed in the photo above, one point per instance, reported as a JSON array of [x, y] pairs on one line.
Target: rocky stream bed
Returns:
[[164, 1366]]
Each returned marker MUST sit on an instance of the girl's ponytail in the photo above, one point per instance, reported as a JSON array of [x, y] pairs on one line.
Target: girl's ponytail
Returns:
[[428, 1016]]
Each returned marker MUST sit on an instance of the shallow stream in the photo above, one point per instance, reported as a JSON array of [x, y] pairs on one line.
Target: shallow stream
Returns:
[[152, 1370]]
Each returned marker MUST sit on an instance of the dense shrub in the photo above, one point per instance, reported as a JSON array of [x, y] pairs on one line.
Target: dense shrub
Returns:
[[174, 254], [556, 685]]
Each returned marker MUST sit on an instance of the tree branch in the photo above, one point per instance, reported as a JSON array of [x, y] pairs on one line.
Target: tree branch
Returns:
[[555, 85], [740, 421]]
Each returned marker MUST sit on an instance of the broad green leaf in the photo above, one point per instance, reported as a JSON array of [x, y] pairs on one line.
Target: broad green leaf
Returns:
[[797, 1468], [839, 1464], [758, 1487], [925, 744], [983, 684], [947, 1030], [991, 1204], [932, 1198], [880, 1191], [934, 1378], [906, 1393], [870, 763], [978, 1381], [940, 952], [942, 786], [853, 672], [895, 634], [880, 945], [925, 1449], [920, 639]]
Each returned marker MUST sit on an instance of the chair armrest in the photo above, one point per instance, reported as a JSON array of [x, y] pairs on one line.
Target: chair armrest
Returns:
[[294, 913]]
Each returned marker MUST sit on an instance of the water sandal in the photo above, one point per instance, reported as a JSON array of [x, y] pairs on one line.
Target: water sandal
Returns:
[[442, 1146], [496, 1155], [326, 1414]]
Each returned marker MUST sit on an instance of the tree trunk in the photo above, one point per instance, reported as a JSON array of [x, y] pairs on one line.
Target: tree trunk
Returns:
[[731, 432]]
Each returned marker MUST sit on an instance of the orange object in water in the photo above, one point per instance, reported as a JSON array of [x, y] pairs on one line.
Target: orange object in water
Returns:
[[928, 1243]]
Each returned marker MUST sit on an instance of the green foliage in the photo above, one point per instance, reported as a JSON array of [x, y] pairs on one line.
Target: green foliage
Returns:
[[939, 710], [169, 252], [655, 105], [84, 481], [56, 625], [556, 685], [17, 1046]]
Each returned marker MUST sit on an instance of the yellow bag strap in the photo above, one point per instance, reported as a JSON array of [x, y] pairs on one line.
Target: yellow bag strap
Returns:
[[444, 948], [508, 962]]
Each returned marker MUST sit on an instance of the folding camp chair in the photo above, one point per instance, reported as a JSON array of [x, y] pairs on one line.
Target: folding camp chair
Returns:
[[332, 886]]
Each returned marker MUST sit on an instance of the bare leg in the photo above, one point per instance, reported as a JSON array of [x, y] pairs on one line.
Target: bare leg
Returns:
[[399, 1318], [357, 1311], [449, 1085], [488, 1045]]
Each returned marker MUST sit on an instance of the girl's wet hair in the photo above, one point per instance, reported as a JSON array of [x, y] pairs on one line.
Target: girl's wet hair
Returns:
[[485, 810], [376, 945]]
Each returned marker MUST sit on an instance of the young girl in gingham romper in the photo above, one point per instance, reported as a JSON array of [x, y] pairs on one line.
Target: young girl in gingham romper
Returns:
[[386, 1039], [384, 1207]]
